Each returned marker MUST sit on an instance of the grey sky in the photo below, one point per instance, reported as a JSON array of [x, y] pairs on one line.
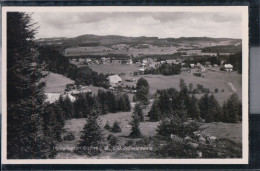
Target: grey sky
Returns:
[[157, 24]]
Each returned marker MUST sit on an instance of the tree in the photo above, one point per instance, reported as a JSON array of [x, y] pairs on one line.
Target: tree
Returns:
[[193, 108], [165, 103], [116, 127], [204, 105], [135, 131], [155, 113], [139, 112], [142, 90], [232, 109], [91, 135], [215, 112], [25, 137]]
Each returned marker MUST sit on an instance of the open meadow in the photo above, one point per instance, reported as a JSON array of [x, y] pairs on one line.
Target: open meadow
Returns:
[[148, 129], [227, 83]]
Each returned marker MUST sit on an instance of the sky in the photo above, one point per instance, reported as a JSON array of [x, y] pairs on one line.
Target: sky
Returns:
[[135, 24]]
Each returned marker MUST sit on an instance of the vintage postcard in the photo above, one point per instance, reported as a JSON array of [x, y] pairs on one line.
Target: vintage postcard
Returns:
[[125, 85]]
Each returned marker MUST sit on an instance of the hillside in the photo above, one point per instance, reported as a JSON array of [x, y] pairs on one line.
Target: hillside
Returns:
[[110, 40]]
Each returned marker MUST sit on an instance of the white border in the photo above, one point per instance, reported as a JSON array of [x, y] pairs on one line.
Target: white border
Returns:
[[245, 53]]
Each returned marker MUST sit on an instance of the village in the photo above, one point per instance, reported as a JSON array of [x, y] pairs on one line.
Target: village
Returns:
[[130, 70]]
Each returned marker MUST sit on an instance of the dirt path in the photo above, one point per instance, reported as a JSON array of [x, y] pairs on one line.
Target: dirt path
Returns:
[[232, 86]]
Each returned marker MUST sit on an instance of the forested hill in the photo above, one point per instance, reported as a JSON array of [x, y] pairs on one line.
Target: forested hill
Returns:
[[109, 40], [55, 62]]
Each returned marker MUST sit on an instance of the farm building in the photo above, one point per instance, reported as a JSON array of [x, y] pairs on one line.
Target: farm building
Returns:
[[114, 80], [228, 67], [128, 61], [141, 70], [207, 64], [172, 61], [104, 60], [192, 65], [84, 91]]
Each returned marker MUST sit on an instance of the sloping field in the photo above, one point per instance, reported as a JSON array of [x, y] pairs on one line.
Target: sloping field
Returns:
[[56, 83], [65, 148], [232, 131], [114, 68], [211, 80]]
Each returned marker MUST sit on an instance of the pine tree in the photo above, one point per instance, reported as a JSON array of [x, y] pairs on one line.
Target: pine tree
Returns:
[[91, 135], [204, 105], [142, 90], [215, 112], [232, 109], [139, 112], [25, 96], [193, 108], [116, 127], [155, 113], [165, 104], [135, 131], [127, 105]]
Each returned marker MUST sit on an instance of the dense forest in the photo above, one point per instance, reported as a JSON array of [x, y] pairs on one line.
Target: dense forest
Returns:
[[223, 49]]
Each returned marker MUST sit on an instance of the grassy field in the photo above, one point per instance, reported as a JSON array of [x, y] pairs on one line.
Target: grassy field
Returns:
[[114, 68], [220, 130], [56, 83], [211, 80], [228, 82]]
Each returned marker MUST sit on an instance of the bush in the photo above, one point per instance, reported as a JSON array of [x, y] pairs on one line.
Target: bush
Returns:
[[113, 141], [175, 126], [69, 137], [109, 137], [129, 143], [107, 126], [116, 128], [216, 90], [177, 149]]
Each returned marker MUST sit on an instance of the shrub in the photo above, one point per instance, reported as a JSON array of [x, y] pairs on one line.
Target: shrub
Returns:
[[175, 126], [109, 137], [216, 90], [107, 126], [113, 141], [116, 128], [69, 137], [177, 149], [129, 143]]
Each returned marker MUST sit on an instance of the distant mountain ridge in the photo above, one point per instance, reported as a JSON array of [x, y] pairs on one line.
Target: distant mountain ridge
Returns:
[[116, 39]]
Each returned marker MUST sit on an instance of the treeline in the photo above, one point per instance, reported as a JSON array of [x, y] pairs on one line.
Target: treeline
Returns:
[[173, 103], [202, 60], [165, 69], [55, 114], [222, 49], [236, 61], [104, 102], [57, 63]]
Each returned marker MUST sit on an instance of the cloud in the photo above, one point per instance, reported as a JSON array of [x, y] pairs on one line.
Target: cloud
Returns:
[[156, 24]]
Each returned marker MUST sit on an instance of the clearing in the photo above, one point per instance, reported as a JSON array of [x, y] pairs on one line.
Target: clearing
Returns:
[[56, 83]]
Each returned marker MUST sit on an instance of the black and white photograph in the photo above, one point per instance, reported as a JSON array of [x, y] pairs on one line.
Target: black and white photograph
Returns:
[[120, 85]]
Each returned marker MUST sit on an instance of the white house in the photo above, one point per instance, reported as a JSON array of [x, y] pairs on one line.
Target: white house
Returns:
[[192, 65], [228, 67], [114, 80], [141, 70]]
